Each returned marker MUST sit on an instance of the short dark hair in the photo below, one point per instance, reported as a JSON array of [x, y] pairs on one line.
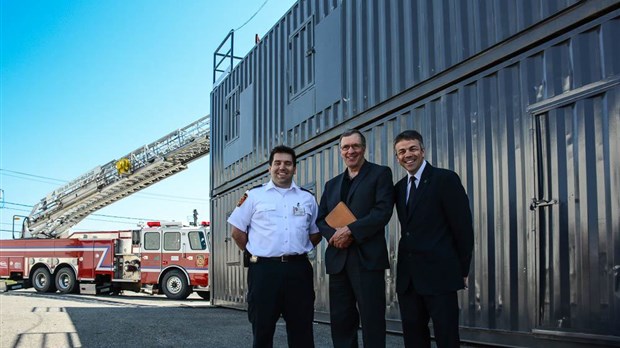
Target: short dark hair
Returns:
[[283, 149], [350, 132], [409, 134]]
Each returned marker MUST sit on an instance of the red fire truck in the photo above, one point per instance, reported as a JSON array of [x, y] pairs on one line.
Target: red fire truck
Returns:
[[161, 257]]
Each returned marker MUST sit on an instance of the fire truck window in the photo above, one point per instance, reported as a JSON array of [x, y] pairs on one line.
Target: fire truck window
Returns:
[[172, 241], [197, 240], [151, 241]]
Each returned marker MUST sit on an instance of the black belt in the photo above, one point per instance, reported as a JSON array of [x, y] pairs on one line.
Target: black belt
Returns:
[[283, 258]]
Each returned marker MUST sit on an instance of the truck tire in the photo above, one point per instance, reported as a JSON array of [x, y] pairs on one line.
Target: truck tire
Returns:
[[42, 280], [174, 285], [65, 281]]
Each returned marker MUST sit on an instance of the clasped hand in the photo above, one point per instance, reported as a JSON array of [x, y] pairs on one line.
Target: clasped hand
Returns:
[[342, 238]]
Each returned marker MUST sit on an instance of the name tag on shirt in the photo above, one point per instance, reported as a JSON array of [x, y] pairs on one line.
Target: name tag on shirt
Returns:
[[299, 211]]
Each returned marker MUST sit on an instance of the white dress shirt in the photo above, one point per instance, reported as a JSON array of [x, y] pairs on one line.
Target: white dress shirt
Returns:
[[278, 221]]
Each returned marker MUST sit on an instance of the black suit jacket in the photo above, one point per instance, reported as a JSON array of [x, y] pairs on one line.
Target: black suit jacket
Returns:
[[437, 237], [371, 200]]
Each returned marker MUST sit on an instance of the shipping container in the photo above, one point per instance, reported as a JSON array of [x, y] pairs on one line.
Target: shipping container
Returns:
[[520, 97]]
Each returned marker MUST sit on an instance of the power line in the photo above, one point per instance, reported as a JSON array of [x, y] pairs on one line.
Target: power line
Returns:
[[30, 179], [32, 175], [16, 209], [172, 196], [124, 217], [19, 204], [28, 176], [116, 222], [102, 215], [255, 13], [100, 220]]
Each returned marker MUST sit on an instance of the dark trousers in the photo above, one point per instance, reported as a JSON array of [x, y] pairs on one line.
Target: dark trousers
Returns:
[[415, 312], [281, 288], [352, 289]]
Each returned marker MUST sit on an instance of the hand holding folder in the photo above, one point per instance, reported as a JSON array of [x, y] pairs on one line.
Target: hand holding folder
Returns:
[[340, 216]]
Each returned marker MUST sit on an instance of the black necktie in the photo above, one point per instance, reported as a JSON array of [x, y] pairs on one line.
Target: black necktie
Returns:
[[411, 191]]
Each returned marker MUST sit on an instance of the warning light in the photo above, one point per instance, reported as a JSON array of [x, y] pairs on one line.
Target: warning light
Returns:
[[153, 224], [205, 223]]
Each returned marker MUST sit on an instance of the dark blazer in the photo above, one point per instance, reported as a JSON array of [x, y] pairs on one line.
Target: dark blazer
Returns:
[[437, 236], [371, 200]]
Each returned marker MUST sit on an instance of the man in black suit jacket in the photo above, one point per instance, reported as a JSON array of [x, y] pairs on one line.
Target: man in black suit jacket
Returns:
[[356, 257], [435, 248]]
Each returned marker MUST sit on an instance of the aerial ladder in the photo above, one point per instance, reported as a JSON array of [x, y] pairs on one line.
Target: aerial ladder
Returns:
[[66, 206]]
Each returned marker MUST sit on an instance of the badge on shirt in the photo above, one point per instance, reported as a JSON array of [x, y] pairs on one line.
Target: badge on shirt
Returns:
[[243, 198], [299, 211]]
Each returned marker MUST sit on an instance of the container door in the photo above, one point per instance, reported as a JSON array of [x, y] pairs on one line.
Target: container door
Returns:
[[151, 257], [576, 211]]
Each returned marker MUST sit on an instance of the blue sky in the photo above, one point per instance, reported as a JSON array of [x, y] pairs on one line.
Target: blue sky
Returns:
[[86, 82]]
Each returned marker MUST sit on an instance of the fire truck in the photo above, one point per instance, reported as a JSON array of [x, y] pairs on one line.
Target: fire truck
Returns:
[[160, 257]]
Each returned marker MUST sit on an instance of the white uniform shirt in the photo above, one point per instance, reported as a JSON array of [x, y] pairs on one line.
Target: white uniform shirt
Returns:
[[278, 221]]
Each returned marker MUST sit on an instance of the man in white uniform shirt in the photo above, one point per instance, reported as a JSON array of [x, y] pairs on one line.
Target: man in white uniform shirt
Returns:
[[275, 225]]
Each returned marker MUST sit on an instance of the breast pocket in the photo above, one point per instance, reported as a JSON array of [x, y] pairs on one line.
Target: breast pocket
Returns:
[[303, 218], [265, 211]]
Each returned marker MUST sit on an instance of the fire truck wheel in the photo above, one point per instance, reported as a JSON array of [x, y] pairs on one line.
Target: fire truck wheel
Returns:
[[42, 280], [175, 285], [65, 281]]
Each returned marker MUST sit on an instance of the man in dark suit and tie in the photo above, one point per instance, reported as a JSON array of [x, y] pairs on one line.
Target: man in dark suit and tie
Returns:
[[435, 248], [356, 257]]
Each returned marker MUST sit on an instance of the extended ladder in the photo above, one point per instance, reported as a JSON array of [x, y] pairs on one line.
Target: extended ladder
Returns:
[[64, 207]]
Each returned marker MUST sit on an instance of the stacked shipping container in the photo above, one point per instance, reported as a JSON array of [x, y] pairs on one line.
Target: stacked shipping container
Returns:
[[521, 98]]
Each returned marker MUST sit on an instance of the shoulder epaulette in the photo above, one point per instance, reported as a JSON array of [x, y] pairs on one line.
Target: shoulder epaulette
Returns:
[[257, 186], [305, 189]]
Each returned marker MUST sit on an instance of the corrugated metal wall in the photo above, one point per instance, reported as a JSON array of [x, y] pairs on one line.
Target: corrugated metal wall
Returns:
[[385, 48], [535, 118]]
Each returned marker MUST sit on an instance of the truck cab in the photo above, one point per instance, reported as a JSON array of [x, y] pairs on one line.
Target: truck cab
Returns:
[[176, 258]]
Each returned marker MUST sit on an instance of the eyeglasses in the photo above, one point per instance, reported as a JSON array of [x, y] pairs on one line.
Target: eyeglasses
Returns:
[[355, 147]]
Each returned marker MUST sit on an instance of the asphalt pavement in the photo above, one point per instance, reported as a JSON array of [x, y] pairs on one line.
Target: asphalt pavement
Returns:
[[30, 319]]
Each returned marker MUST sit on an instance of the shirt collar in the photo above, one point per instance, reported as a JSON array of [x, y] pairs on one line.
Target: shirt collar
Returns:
[[346, 170], [418, 174], [270, 185]]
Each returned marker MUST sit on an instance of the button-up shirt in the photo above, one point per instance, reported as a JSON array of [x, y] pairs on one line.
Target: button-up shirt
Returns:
[[418, 177], [278, 221]]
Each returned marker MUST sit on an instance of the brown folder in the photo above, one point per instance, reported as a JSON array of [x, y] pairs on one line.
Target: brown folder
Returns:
[[340, 216]]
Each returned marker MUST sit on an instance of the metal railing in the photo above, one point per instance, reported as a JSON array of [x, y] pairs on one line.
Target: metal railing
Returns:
[[221, 57]]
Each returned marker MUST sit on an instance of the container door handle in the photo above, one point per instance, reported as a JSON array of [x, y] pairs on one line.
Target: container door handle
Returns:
[[540, 203]]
